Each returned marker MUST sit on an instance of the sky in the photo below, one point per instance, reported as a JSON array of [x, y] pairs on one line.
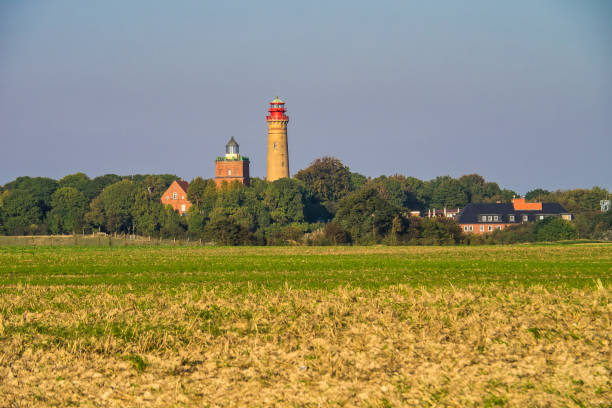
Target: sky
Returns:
[[519, 92]]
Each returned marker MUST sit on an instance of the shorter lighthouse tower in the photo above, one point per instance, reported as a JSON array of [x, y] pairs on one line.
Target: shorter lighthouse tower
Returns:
[[232, 166], [278, 150]]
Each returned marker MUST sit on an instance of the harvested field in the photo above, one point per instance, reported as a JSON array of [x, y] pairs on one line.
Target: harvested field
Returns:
[[376, 326]]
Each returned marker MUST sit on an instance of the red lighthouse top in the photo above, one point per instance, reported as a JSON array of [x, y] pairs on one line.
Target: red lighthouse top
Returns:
[[277, 111]]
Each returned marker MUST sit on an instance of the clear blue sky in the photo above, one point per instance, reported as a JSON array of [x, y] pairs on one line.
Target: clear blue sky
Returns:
[[517, 91]]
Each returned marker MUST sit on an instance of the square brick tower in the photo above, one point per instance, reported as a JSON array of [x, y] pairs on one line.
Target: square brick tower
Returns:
[[232, 166]]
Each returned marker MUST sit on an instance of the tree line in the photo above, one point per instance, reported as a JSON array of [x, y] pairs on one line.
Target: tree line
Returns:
[[324, 203]]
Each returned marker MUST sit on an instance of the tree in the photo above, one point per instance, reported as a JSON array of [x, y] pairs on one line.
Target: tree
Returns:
[[20, 213], [112, 209], [328, 178], [538, 194], [448, 192], [82, 183], [67, 214], [101, 182], [155, 185], [285, 200], [365, 214], [554, 229], [40, 188], [171, 223], [196, 191], [398, 190], [357, 181], [224, 230], [335, 233], [437, 231], [580, 200], [146, 213], [195, 222]]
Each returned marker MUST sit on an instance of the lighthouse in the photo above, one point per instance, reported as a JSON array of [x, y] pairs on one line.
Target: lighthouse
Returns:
[[232, 167], [278, 150]]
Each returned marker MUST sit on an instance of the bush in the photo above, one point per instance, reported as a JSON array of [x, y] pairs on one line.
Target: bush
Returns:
[[554, 229]]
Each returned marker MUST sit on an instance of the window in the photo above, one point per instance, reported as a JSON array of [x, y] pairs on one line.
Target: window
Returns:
[[484, 218], [471, 228], [490, 228], [482, 228], [174, 195], [498, 227], [525, 218], [275, 144], [490, 218], [229, 172], [466, 228], [182, 197], [512, 218], [496, 218], [541, 217], [183, 208]]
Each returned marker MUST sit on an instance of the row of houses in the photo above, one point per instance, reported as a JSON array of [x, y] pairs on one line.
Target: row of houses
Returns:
[[482, 218]]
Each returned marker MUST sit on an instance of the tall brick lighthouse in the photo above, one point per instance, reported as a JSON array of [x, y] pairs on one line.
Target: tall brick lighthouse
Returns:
[[278, 151]]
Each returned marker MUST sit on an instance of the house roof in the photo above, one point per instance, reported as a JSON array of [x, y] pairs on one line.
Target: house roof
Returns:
[[183, 184], [469, 214]]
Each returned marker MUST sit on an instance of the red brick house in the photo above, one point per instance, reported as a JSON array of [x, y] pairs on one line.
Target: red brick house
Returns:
[[176, 196], [482, 218]]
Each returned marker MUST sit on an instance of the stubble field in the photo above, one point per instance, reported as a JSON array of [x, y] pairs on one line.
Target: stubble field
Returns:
[[521, 326]]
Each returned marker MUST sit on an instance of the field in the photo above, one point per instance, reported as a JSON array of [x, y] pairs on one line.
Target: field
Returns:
[[519, 326]]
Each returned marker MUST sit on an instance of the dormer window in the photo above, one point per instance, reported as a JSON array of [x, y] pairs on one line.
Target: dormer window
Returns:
[[484, 218], [495, 218], [512, 218], [525, 218], [490, 218]]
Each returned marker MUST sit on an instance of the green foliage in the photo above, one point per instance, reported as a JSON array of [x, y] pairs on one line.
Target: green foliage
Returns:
[[171, 223], [327, 178], [594, 224], [539, 194], [224, 230], [20, 214], [146, 213], [579, 200], [155, 184], [285, 200], [112, 209], [357, 181], [554, 229], [440, 230], [335, 234], [196, 191], [448, 192], [138, 362], [82, 183], [68, 209], [365, 215], [398, 190], [40, 189], [195, 222], [281, 211]]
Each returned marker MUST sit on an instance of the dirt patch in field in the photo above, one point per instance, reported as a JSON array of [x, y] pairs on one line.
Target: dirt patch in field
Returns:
[[398, 346]]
